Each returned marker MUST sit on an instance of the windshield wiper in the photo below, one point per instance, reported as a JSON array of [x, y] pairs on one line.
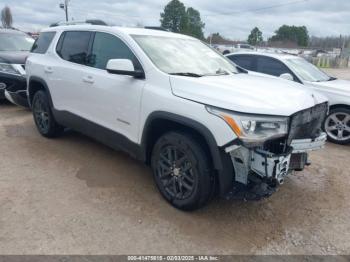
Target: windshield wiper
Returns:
[[218, 72], [329, 79], [186, 74]]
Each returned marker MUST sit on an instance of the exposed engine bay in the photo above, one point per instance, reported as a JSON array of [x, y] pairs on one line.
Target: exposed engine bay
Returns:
[[259, 170]]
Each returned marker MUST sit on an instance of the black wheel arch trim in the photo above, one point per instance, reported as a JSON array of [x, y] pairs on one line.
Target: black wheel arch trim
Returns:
[[337, 106], [190, 123], [45, 86], [221, 160]]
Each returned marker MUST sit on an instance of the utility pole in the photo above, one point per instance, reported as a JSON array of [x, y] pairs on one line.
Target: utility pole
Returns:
[[65, 7]]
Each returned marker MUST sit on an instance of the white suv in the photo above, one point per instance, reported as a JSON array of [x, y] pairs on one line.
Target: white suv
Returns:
[[176, 104]]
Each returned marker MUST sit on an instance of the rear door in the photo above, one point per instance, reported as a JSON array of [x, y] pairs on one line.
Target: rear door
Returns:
[[68, 83]]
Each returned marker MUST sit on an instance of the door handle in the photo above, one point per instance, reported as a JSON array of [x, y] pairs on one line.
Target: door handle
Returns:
[[88, 79], [48, 70]]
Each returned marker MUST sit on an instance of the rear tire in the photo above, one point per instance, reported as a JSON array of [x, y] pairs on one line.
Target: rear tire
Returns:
[[182, 171], [337, 126], [43, 117]]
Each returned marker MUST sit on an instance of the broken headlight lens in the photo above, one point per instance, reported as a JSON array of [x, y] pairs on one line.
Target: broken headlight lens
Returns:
[[253, 129]]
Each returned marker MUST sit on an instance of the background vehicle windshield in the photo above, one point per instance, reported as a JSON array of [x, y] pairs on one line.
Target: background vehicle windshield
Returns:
[[176, 56], [15, 42], [307, 71]]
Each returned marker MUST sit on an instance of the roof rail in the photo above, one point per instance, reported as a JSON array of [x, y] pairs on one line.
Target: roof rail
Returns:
[[156, 28], [89, 21]]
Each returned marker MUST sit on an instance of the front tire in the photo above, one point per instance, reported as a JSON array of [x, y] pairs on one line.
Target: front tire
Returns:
[[182, 171], [337, 126], [43, 117]]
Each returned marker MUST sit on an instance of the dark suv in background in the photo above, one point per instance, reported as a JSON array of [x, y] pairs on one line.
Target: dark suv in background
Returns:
[[14, 49]]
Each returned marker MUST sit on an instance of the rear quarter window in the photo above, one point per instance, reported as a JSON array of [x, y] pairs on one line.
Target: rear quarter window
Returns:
[[43, 42], [73, 46]]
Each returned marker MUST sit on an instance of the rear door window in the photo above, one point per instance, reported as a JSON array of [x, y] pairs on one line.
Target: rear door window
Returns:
[[43, 42], [74, 46], [244, 61], [270, 66]]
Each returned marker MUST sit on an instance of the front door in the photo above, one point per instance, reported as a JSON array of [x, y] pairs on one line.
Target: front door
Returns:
[[112, 101]]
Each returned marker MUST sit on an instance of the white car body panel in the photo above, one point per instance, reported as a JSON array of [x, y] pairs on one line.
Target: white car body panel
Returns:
[[244, 93], [337, 91]]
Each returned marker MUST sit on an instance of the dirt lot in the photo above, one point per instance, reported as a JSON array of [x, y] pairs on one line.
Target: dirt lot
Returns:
[[74, 196]]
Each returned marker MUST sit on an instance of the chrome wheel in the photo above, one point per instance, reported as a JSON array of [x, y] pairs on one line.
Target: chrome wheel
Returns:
[[337, 126], [175, 172]]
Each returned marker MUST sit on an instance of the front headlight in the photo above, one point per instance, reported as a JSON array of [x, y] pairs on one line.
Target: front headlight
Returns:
[[8, 69], [253, 129]]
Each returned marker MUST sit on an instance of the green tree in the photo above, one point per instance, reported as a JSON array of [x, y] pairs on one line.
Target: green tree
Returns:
[[194, 26], [174, 17], [296, 34], [255, 37]]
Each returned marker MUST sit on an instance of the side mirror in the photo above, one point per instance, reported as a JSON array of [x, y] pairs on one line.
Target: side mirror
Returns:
[[123, 67], [287, 76]]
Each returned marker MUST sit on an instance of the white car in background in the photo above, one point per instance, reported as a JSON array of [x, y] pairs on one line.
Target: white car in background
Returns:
[[337, 124]]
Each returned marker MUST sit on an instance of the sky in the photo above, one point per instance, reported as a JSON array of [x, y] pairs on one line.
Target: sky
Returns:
[[233, 19]]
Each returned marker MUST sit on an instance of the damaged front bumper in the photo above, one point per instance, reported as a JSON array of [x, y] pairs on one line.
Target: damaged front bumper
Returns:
[[259, 171]]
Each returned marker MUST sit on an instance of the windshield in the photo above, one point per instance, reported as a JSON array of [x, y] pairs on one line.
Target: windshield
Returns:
[[15, 42], [307, 71], [187, 57]]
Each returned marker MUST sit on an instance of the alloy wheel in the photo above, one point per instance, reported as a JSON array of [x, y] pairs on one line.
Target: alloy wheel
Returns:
[[337, 126], [175, 171], [41, 114]]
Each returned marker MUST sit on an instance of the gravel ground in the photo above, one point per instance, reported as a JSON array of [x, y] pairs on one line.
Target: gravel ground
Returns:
[[75, 196]]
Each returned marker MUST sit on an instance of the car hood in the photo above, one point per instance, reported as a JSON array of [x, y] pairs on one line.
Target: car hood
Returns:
[[337, 85], [13, 57], [247, 94]]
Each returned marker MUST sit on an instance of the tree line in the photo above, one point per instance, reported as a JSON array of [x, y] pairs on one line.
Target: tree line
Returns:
[[179, 19], [298, 35]]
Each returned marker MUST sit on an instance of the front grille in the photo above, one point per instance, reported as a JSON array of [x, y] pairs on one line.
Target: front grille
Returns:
[[276, 146], [307, 123]]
